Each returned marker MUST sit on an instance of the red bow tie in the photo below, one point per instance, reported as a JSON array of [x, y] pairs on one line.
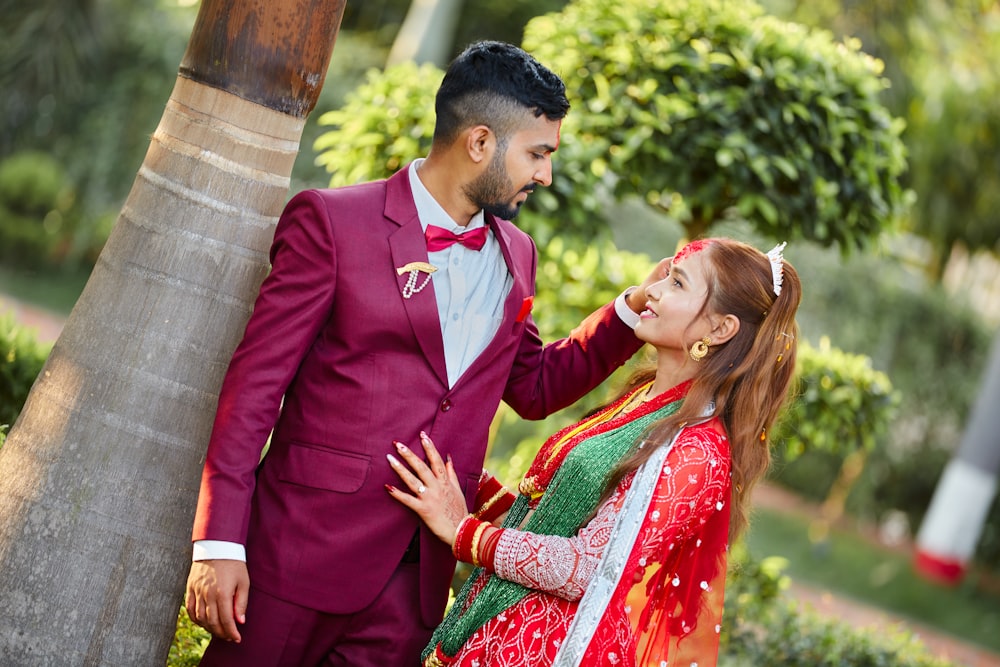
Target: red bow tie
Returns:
[[439, 238]]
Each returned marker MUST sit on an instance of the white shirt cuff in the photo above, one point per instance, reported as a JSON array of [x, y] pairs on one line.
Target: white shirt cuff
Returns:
[[626, 314], [218, 550]]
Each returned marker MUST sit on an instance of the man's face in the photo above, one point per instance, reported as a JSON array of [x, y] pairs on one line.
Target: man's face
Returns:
[[517, 168]]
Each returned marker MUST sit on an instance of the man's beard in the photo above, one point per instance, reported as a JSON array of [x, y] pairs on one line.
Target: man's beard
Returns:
[[489, 189]]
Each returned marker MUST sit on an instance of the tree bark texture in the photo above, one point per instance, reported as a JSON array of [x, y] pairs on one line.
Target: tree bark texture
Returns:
[[99, 476], [272, 52]]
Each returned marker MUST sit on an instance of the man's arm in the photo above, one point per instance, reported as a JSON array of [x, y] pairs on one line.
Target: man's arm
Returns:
[[292, 306], [547, 378]]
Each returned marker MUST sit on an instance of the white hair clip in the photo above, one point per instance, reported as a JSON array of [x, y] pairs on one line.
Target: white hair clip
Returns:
[[777, 269]]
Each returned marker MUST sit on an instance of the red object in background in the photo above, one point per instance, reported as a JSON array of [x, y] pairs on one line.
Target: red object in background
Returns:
[[939, 569]]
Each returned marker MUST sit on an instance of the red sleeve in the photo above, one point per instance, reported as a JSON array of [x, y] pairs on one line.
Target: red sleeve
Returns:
[[547, 378]]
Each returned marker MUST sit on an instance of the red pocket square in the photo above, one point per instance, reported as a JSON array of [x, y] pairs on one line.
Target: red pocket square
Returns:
[[525, 308]]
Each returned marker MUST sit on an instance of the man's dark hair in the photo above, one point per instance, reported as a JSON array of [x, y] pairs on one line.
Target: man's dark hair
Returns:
[[492, 84]]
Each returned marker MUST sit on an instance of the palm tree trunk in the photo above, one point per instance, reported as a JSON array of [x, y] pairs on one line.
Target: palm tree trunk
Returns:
[[427, 34], [99, 476]]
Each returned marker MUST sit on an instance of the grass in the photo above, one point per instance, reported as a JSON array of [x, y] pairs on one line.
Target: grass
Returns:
[[853, 566], [50, 289]]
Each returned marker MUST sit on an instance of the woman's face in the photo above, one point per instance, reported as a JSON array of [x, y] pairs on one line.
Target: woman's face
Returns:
[[671, 320]]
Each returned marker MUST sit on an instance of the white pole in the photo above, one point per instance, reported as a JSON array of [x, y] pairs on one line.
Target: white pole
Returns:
[[954, 523]]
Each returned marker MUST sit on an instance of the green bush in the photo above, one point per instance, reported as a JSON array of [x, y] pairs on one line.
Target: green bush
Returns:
[[842, 404], [35, 205], [792, 637], [383, 125], [703, 109], [760, 627], [933, 345], [21, 360], [190, 642]]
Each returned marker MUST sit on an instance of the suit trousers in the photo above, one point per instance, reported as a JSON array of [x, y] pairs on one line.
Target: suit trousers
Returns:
[[387, 633]]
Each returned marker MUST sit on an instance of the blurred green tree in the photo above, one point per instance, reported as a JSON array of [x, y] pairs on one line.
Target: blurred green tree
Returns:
[[944, 62], [710, 110]]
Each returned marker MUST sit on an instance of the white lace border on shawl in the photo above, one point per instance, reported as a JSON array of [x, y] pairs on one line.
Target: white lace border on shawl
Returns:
[[609, 571]]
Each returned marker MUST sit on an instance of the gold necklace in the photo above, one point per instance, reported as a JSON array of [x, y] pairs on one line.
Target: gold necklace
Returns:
[[638, 399]]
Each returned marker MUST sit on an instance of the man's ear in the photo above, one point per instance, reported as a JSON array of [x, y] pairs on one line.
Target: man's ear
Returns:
[[726, 327], [480, 142]]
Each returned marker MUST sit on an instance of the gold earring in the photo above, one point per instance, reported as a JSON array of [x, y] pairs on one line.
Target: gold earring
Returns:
[[700, 349]]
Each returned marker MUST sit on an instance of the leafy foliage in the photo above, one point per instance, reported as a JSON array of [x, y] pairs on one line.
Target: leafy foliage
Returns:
[[35, 204], [190, 642], [943, 60], [957, 163], [791, 637], [21, 360], [86, 83], [843, 403], [761, 627], [384, 124], [708, 109]]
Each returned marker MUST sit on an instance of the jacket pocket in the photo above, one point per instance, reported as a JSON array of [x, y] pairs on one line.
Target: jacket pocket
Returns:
[[326, 469]]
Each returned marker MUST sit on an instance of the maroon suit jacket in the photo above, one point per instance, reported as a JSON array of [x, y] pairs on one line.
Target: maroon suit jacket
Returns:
[[339, 364]]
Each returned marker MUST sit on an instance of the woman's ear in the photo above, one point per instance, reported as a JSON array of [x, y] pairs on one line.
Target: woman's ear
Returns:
[[725, 328]]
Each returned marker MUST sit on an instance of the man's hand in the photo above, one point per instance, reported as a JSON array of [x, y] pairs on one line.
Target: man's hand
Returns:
[[637, 299], [217, 592]]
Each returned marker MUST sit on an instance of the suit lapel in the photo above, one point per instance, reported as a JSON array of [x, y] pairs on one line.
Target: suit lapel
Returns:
[[407, 244], [520, 287]]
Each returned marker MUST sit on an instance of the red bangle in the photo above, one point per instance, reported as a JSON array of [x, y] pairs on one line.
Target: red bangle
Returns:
[[463, 536], [467, 540], [492, 499], [488, 548]]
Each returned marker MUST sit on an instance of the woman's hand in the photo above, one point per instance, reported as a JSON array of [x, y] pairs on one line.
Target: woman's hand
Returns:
[[439, 500]]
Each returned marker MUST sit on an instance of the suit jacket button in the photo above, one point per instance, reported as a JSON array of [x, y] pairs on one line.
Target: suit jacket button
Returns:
[[445, 405]]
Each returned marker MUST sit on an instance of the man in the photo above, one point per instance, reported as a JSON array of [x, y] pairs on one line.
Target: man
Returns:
[[369, 330]]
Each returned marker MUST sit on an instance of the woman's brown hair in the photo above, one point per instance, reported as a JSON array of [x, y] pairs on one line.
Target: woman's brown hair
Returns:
[[748, 377]]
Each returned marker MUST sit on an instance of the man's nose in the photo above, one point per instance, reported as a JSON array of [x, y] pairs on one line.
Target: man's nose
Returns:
[[544, 174]]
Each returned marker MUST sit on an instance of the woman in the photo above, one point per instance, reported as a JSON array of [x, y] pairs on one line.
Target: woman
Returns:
[[614, 553]]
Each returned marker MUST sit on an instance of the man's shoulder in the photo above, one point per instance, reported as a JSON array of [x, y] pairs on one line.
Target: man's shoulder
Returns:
[[365, 190], [389, 193]]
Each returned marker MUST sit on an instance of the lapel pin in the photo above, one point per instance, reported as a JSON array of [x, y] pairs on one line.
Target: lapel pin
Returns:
[[414, 269]]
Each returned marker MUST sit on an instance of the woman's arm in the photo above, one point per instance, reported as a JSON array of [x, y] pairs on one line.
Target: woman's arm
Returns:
[[693, 481], [694, 478]]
